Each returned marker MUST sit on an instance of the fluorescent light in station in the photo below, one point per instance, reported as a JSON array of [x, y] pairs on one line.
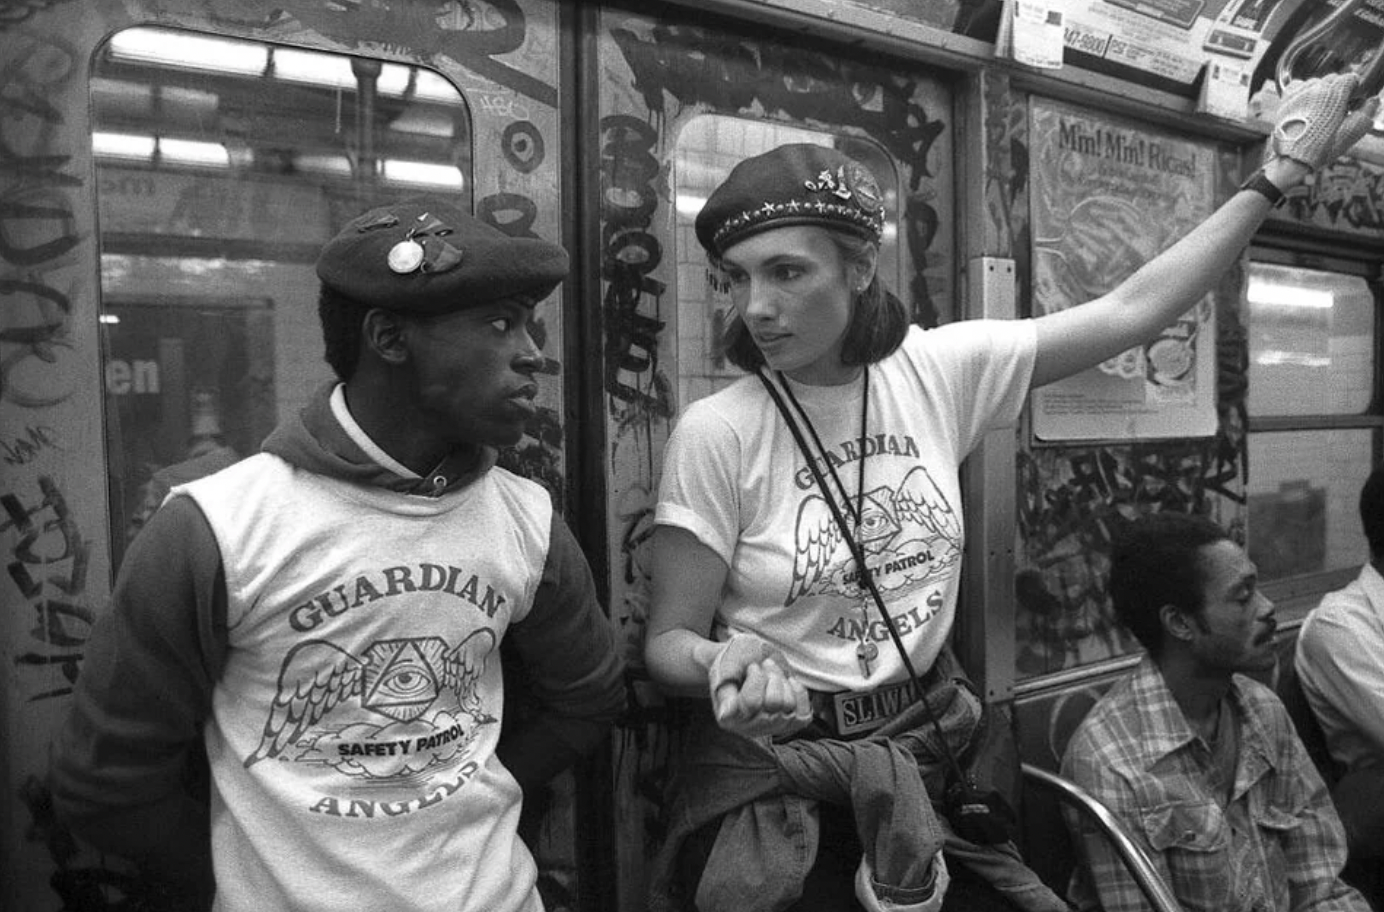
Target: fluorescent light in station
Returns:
[[690, 205], [122, 145], [1277, 358], [421, 121], [1274, 294], [166, 47], [427, 174], [331, 70], [337, 165], [429, 86], [393, 80], [192, 152]]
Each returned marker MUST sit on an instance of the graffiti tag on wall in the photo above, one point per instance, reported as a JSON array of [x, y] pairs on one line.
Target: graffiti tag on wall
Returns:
[[1347, 197]]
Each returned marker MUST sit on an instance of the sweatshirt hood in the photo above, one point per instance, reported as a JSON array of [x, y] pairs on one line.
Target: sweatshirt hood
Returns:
[[315, 441]]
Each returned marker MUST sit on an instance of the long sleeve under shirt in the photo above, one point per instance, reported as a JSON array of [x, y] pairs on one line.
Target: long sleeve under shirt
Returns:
[[334, 640]]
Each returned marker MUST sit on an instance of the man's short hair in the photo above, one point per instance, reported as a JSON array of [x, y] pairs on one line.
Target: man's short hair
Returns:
[[1155, 561], [1372, 510]]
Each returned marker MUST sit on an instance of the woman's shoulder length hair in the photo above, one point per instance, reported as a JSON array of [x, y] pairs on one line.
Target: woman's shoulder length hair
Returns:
[[879, 321]]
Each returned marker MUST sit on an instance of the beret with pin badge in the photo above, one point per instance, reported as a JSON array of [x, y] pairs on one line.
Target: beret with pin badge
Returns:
[[794, 184], [424, 256]]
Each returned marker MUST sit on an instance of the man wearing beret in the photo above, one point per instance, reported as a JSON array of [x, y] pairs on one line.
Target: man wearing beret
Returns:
[[325, 617]]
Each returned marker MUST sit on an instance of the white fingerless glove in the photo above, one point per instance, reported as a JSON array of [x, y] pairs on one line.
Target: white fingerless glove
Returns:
[[1314, 124]]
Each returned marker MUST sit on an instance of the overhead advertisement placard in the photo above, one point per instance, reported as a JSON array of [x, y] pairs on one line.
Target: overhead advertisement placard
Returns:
[[1166, 43], [1108, 195]]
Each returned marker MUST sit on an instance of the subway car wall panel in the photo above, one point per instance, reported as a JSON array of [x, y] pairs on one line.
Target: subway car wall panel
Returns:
[[171, 169]]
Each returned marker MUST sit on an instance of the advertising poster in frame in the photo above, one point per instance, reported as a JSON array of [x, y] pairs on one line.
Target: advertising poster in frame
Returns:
[[1108, 195]]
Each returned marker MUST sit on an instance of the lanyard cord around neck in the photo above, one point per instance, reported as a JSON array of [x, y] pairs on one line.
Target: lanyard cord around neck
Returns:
[[856, 551], [857, 513]]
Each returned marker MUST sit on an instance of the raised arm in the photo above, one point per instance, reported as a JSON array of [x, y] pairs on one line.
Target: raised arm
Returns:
[[1315, 127]]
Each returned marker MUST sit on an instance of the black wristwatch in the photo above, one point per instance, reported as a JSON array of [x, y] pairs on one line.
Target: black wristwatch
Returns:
[[1260, 184]]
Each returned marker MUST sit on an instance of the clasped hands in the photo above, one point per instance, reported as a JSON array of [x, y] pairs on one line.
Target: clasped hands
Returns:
[[753, 693]]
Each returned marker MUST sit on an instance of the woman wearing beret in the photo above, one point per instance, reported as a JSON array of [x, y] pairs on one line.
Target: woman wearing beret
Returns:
[[809, 538]]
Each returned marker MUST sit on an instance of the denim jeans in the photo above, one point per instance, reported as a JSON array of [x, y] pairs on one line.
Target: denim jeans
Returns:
[[765, 795]]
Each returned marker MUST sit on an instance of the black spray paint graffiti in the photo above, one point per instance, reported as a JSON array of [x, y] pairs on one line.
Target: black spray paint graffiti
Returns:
[[689, 66], [37, 225], [637, 530], [1349, 197], [47, 557], [629, 256], [37, 238], [475, 33], [49, 568], [1071, 503], [522, 146]]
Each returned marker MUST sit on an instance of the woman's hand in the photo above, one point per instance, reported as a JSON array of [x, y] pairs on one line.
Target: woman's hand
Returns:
[[753, 694], [1315, 125]]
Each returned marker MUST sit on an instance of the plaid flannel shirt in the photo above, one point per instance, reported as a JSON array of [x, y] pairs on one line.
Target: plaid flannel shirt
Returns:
[[1275, 846]]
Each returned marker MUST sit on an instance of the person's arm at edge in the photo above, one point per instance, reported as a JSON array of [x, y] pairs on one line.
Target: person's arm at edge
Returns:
[[1315, 849], [687, 580], [571, 665], [754, 694], [1349, 678], [1316, 125], [119, 763]]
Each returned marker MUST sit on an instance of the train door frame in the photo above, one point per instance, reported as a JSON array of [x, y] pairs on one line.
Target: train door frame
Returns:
[[53, 481]]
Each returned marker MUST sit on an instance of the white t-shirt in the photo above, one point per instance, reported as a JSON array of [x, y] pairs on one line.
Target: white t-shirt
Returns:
[[353, 731], [735, 478], [1339, 649]]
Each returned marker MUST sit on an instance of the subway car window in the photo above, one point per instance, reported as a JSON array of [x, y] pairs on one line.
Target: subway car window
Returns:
[[221, 167], [1311, 342], [708, 146], [1314, 423]]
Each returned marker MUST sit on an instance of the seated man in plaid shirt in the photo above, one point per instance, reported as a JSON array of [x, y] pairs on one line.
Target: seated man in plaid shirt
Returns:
[[1200, 762]]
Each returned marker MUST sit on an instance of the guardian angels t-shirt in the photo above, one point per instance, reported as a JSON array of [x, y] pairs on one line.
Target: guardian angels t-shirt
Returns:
[[735, 478]]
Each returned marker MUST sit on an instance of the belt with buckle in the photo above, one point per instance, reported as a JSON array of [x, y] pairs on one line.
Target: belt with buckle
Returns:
[[854, 713]]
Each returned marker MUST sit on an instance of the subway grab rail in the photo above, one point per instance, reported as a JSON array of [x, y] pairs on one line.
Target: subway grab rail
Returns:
[[1371, 70], [1141, 868]]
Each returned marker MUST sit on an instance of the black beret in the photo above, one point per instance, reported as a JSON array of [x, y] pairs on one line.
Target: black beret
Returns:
[[423, 255], [797, 184]]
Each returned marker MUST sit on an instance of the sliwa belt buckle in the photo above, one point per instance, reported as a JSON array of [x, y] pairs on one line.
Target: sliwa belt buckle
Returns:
[[857, 712]]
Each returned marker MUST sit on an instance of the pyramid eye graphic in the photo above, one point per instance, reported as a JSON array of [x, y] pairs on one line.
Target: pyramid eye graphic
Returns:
[[875, 521], [400, 679]]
